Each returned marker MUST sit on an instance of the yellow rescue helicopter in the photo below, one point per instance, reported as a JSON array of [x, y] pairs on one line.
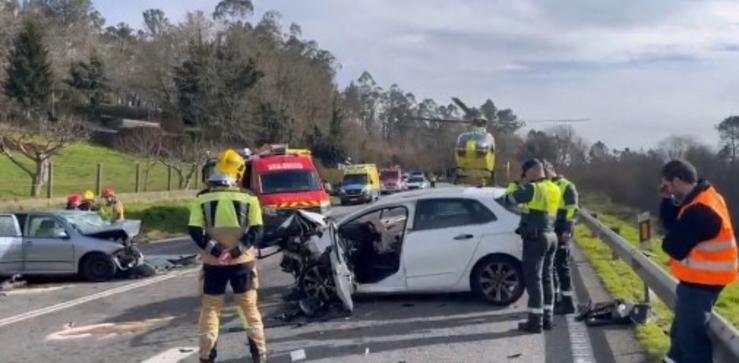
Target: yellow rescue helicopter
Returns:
[[475, 149]]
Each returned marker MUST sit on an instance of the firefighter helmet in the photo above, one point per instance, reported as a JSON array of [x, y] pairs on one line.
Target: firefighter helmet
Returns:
[[229, 168]]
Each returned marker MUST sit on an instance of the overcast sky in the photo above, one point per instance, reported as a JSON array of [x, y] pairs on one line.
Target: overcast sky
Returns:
[[640, 70]]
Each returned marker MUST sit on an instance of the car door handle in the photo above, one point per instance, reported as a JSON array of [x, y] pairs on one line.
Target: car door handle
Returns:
[[463, 237]]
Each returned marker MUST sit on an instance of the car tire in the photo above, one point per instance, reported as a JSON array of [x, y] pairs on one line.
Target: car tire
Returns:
[[316, 281], [97, 267], [498, 280]]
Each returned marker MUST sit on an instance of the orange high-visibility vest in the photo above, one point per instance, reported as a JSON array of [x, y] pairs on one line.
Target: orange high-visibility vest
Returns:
[[713, 261]]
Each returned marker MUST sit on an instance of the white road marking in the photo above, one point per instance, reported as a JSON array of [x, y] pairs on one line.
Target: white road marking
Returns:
[[582, 350], [173, 355], [89, 298]]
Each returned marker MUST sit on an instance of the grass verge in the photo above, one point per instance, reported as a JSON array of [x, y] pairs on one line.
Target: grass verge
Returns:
[[622, 282], [162, 219], [75, 170]]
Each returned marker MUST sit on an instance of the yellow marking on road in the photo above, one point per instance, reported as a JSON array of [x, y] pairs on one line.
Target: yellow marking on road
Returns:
[[34, 290], [109, 330]]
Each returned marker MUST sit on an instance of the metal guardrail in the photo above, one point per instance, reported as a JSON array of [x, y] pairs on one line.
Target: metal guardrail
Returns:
[[724, 335]]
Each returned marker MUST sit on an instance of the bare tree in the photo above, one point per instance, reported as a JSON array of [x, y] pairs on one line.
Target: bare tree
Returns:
[[186, 158], [147, 143], [39, 144], [675, 147]]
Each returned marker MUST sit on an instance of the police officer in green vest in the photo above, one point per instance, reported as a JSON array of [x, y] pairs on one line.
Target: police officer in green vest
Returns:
[[564, 227], [226, 224], [540, 198]]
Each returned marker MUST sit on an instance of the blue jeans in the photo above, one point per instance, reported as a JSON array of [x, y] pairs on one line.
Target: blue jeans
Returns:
[[689, 342]]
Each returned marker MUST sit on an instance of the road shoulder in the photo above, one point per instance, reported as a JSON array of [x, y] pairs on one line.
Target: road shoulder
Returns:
[[610, 343]]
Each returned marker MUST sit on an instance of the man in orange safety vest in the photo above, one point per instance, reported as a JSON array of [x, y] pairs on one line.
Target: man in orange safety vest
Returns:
[[703, 256]]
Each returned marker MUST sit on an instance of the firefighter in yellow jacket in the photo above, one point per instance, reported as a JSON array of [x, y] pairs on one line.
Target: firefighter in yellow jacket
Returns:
[[226, 223]]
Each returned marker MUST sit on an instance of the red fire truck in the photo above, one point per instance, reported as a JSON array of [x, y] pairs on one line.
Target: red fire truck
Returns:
[[284, 180], [391, 180]]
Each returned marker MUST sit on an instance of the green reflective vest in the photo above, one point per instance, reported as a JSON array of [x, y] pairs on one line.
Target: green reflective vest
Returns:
[[568, 208], [547, 198]]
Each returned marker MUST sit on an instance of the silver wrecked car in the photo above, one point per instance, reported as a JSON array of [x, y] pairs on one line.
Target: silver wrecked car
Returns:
[[67, 242]]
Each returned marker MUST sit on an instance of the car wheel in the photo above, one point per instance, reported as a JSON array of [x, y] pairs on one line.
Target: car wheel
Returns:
[[98, 267], [498, 280], [316, 282]]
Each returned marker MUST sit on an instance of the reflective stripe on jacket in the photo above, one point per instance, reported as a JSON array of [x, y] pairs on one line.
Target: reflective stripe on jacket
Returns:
[[713, 261]]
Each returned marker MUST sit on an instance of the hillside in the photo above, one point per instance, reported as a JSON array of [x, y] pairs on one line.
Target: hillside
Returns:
[[75, 170]]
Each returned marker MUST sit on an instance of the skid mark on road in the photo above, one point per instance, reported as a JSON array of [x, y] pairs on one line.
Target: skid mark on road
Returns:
[[101, 295]]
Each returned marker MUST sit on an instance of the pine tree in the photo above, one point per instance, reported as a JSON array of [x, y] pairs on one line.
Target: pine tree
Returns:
[[29, 80]]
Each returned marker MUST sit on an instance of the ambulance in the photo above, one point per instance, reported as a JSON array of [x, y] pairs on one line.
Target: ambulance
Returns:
[[284, 180], [361, 183]]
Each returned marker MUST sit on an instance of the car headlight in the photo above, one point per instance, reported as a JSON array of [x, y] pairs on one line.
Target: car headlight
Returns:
[[270, 210]]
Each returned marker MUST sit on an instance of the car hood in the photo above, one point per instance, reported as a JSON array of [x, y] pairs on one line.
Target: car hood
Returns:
[[127, 229]]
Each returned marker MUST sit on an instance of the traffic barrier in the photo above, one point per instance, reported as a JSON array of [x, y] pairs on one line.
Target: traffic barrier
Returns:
[[725, 336]]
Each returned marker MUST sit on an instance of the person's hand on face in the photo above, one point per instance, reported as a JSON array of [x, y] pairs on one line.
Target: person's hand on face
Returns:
[[666, 189]]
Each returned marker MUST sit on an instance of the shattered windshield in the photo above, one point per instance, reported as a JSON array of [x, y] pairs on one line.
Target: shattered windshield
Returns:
[[85, 222]]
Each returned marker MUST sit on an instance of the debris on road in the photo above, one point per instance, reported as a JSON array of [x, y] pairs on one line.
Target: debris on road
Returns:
[[616, 312], [13, 283], [514, 356], [162, 263], [297, 355]]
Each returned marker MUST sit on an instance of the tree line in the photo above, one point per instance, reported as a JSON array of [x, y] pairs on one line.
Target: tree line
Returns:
[[631, 177], [210, 80]]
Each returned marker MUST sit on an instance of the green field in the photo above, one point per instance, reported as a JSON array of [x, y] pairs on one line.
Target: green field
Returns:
[[161, 220], [622, 282], [75, 171]]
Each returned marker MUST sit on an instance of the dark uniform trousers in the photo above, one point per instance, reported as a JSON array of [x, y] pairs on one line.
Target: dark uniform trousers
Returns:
[[538, 259]]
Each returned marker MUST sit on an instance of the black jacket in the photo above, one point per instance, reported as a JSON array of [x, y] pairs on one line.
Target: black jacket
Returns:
[[698, 223]]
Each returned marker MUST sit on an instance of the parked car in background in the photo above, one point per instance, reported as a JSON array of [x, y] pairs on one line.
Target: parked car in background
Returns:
[[417, 182], [67, 242], [427, 241]]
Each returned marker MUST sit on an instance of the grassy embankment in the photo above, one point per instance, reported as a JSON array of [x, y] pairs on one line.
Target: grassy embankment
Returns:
[[75, 171], [622, 282]]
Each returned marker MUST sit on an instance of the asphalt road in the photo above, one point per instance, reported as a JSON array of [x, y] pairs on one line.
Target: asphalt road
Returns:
[[154, 320]]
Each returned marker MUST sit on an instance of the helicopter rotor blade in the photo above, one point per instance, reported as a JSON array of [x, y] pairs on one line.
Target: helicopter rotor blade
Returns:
[[462, 105], [574, 120], [445, 120]]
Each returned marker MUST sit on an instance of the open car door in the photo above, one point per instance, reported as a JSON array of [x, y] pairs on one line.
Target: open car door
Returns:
[[343, 276]]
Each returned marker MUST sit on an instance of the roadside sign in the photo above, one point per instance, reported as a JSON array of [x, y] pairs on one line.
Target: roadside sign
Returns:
[[644, 222]]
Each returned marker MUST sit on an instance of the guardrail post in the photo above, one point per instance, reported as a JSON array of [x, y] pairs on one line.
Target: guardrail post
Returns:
[[50, 183], [99, 180], [614, 256], [169, 178], [138, 178]]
